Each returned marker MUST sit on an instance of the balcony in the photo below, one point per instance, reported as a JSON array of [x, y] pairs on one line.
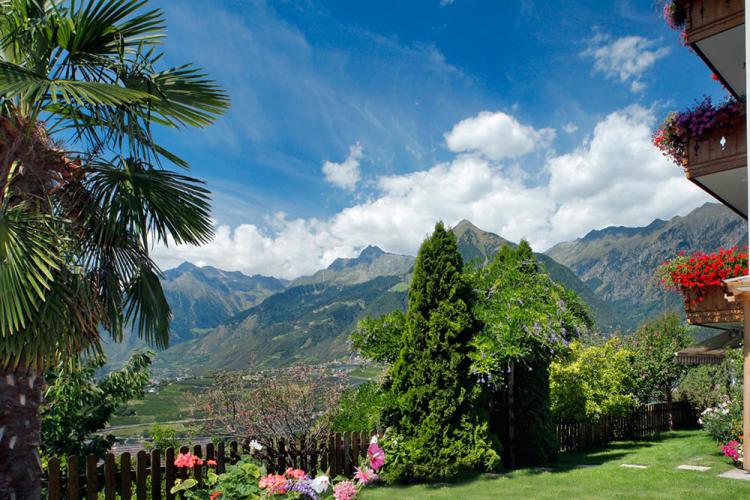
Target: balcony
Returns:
[[710, 142], [715, 30], [717, 164]]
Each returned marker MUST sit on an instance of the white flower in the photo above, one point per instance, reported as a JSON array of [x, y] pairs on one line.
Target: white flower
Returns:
[[255, 445], [374, 439], [320, 484]]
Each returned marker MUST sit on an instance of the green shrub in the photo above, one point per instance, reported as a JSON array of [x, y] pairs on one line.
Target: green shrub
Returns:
[[704, 386], [724, 421], [593, 382], [436, 424], [162, 437], [359, 408]]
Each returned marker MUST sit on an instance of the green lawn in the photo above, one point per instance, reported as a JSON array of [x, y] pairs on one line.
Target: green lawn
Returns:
[[607, 480]]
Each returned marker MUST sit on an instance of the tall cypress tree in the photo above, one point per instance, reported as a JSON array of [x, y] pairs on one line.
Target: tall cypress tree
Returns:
[[436, 429]]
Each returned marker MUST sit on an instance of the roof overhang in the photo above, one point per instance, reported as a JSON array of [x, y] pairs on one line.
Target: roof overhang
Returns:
[[710, 351]]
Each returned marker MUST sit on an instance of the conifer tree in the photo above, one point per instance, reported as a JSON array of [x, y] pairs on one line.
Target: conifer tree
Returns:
[[435, 428]]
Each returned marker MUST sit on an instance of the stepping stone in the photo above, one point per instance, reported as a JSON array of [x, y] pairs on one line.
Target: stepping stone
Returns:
[[493, 475], [543, 469], [586, 466], [699, 468], [736, 474], [634, 466]]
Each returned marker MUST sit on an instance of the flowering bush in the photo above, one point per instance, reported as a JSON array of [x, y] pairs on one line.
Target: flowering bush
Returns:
[[248, 479], [678, 127], [699, 272], [724, 421]]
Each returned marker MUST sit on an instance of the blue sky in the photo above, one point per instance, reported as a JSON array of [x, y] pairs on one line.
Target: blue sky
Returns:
[[525, 117]]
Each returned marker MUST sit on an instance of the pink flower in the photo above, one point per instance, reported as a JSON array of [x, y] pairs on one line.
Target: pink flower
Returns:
[[211, 463], [295, 473], [345, 490], [276, 484], [214, 495], [187, 460], [376, 455], [365, 475]]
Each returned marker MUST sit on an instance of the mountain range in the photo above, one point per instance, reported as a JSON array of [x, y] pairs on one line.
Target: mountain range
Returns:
[[227, 320]]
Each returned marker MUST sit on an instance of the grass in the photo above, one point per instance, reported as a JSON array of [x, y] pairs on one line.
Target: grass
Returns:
[[606, 480]]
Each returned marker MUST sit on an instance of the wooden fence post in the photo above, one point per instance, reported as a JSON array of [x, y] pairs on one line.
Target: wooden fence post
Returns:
[[155, 474], [339, 455], [140, 475], [74, 475], [125, 488], [54, 486], [110, 491], [220, 458], [198, 469], [345, 451], [92, 479], [170, 473]]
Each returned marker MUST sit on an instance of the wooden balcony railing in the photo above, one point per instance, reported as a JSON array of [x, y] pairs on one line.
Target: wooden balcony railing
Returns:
[[717, 152], [706, 18]]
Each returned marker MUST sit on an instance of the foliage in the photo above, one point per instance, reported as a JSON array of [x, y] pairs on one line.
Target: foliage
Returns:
[[700, 272], [705, 385], [360, 408], [593, 382], [163, 437], [379, 339], [435, 429], [705, 118], [78, 406], [525, 314], [723, 422], [654, 345], [291, 403], [76, 228], [527, 320], [249, 479]]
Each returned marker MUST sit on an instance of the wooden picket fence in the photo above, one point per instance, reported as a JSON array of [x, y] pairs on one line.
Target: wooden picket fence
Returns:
[[641, 423], [151, 475]]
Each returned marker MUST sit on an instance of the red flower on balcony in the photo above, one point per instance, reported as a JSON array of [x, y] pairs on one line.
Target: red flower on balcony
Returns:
[[700, 271]]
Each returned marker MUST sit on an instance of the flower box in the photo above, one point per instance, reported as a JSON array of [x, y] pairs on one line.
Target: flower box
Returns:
[[700, 278], [713, 309]]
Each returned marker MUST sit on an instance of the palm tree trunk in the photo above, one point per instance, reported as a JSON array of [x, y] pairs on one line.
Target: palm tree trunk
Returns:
[[20, 425]]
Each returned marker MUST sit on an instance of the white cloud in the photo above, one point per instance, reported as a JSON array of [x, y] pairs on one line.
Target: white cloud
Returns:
[[615, 178], [625, 59], [346, 174], [444, 3], [497, 136], [570, 128]]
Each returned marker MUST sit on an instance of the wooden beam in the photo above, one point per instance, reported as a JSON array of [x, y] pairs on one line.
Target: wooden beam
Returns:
[[746, 387]]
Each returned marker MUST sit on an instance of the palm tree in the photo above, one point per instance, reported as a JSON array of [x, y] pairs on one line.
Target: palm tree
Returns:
[[85, 193]]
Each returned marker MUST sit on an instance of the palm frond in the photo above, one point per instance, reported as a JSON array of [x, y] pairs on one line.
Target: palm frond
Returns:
[[153, 202], [183, 96], [17, 81], [29, 255], [146, 308]]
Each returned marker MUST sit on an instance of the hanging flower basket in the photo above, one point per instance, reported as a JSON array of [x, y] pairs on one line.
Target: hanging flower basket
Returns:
[[700, 278]]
